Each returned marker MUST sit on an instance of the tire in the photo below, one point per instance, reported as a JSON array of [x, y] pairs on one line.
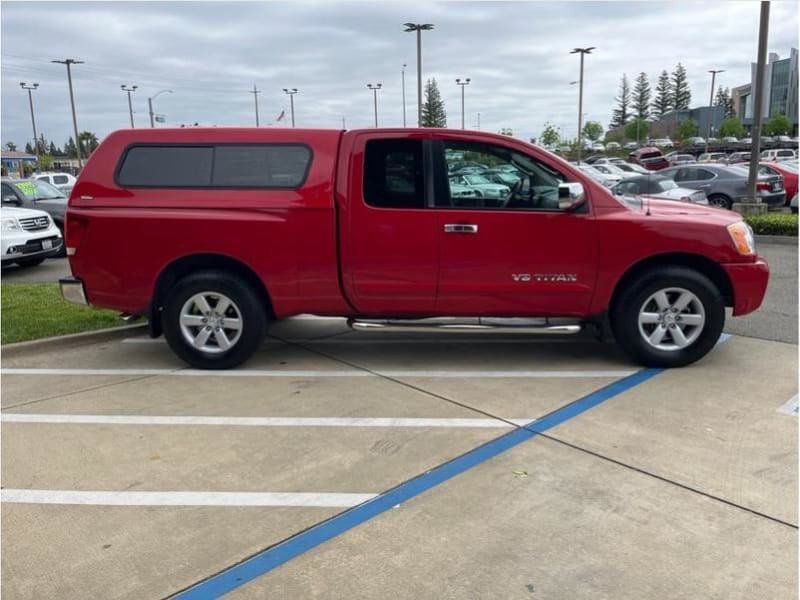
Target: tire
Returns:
[[640, 312], [720, 201], [63, 250], [30, 262], [202, 344]]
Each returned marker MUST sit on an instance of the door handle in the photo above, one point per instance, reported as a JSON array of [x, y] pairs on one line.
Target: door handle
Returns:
[[460, 228]]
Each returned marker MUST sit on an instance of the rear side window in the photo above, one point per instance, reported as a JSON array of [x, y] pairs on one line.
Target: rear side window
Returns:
[[223, 166], [393, 174], [59, 179]]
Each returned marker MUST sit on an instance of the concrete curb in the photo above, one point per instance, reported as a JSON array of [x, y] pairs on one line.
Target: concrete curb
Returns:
[[72, 340], [782, 240]]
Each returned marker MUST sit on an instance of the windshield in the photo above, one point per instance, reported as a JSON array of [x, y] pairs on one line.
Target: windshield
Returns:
[[476, 179], [666, 185], [39, 190]]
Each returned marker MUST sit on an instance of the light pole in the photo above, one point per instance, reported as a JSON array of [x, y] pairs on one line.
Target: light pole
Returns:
[[34, 86], [752, 203], [711, 104], [255, 93], [479, 121], [150, 105], [130, 106], [375, 89], [69, 62], [403, 76], [291, 93], [581, 51], [462, 85], [419, 28]]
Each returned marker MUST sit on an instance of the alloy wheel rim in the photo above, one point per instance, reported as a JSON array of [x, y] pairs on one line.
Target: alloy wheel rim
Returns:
[[671, 319], [211, 322]]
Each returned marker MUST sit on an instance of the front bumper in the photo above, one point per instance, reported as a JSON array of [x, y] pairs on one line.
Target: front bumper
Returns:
[[32, 248], [749, 283], [73, 291]]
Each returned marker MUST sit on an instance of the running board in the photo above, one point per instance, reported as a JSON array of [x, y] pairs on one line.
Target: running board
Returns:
[[477, 325]]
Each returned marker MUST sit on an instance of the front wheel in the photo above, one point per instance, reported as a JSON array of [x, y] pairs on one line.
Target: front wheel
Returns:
[[720, 201], [214, 320], [670, 317]]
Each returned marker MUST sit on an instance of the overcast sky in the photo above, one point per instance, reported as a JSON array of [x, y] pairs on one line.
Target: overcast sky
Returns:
[[211, 53]]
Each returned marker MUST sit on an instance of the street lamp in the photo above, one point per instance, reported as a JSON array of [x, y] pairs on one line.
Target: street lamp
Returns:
[[711, 103], [403, 75], [462, 85], [419, 28], [150, 105], [581, 51], [375, 89], [130, 106], [34, 86], [291, 93], [255, 93], [69, 62]]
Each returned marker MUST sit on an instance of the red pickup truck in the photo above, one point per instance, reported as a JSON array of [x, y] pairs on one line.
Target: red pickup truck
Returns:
[[213, 232]]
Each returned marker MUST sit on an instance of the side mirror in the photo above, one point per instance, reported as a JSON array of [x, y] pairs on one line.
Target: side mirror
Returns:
[[11, 201], [570, 195]]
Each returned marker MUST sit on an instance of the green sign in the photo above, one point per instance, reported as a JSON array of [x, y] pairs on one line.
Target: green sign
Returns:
[[27, 188]]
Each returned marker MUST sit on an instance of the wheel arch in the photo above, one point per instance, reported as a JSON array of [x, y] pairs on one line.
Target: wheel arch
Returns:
[[180, 268], [696, 262]]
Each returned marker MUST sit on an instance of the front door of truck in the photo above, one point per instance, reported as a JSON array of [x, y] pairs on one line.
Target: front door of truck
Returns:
[[387, 229], [511, 249]]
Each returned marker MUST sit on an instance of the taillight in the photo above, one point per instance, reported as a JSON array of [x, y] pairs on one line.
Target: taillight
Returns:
[[762, 185], [75, 228]]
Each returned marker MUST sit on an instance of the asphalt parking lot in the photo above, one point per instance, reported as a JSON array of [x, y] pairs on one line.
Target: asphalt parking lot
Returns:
[[347, 465]]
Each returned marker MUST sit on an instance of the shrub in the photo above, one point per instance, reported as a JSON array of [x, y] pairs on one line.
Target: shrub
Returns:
[[773, 224]]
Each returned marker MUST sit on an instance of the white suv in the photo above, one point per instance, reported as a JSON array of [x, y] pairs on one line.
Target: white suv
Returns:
[[29, 236], [63, 181]]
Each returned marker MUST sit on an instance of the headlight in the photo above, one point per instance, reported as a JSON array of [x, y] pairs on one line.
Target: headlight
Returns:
[[11, 225], [742, 237]]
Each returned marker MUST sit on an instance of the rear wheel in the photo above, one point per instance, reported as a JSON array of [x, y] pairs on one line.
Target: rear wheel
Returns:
[[670, 317], [214, 320], [720, 201]]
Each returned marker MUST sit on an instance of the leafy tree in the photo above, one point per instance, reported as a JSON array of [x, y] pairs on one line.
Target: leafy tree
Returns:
[[29, 148], [778, 125], [433, 112], [688, 129], [638, 129], [732, 126], [45, 162], [621, 114], [88, 141], [662, 103], [641, 97], [681, 94], [11, 146], [549, 136], [592, 130], [70, 149]]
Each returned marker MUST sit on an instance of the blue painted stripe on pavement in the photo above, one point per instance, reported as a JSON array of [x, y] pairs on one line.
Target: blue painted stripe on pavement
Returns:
[[271, 558]]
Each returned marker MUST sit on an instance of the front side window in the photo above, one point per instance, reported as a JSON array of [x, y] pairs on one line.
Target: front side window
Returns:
[[215, 166], [393, 174], [474, 181]]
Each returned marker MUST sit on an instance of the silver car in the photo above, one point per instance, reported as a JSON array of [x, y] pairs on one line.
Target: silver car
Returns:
[[724, 185], [655, 186]]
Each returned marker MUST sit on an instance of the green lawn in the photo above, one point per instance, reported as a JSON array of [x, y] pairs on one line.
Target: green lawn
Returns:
[[36, 310]]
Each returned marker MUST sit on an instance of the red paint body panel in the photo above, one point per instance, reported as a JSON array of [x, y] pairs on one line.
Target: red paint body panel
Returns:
[[321, 249], [789, 178]]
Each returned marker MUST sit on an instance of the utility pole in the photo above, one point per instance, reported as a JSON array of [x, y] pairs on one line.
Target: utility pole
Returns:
[[403, 76], [462, 85], [291, 93], [419, 28], [255, 93], [130, 106], [479, 121], [581, 51], [150, 105], [69, 62], [711, 104], [34, 86], [752, 204], [344, 123], [375, 89]]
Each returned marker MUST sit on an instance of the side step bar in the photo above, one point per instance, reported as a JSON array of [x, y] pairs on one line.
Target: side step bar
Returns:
[[475, 325]]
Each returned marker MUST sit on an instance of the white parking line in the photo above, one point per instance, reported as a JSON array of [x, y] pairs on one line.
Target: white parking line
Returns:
[[258, 421], [790, 408], [95, 498], [314, 374]]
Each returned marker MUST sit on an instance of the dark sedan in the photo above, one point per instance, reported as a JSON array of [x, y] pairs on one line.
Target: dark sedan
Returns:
[[725, 185]]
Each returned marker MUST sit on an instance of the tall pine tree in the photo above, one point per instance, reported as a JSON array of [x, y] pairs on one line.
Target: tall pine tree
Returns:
[[681, 94], [662, 103], [621, 114], [433, 113], [641, 97], [724, 99]]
